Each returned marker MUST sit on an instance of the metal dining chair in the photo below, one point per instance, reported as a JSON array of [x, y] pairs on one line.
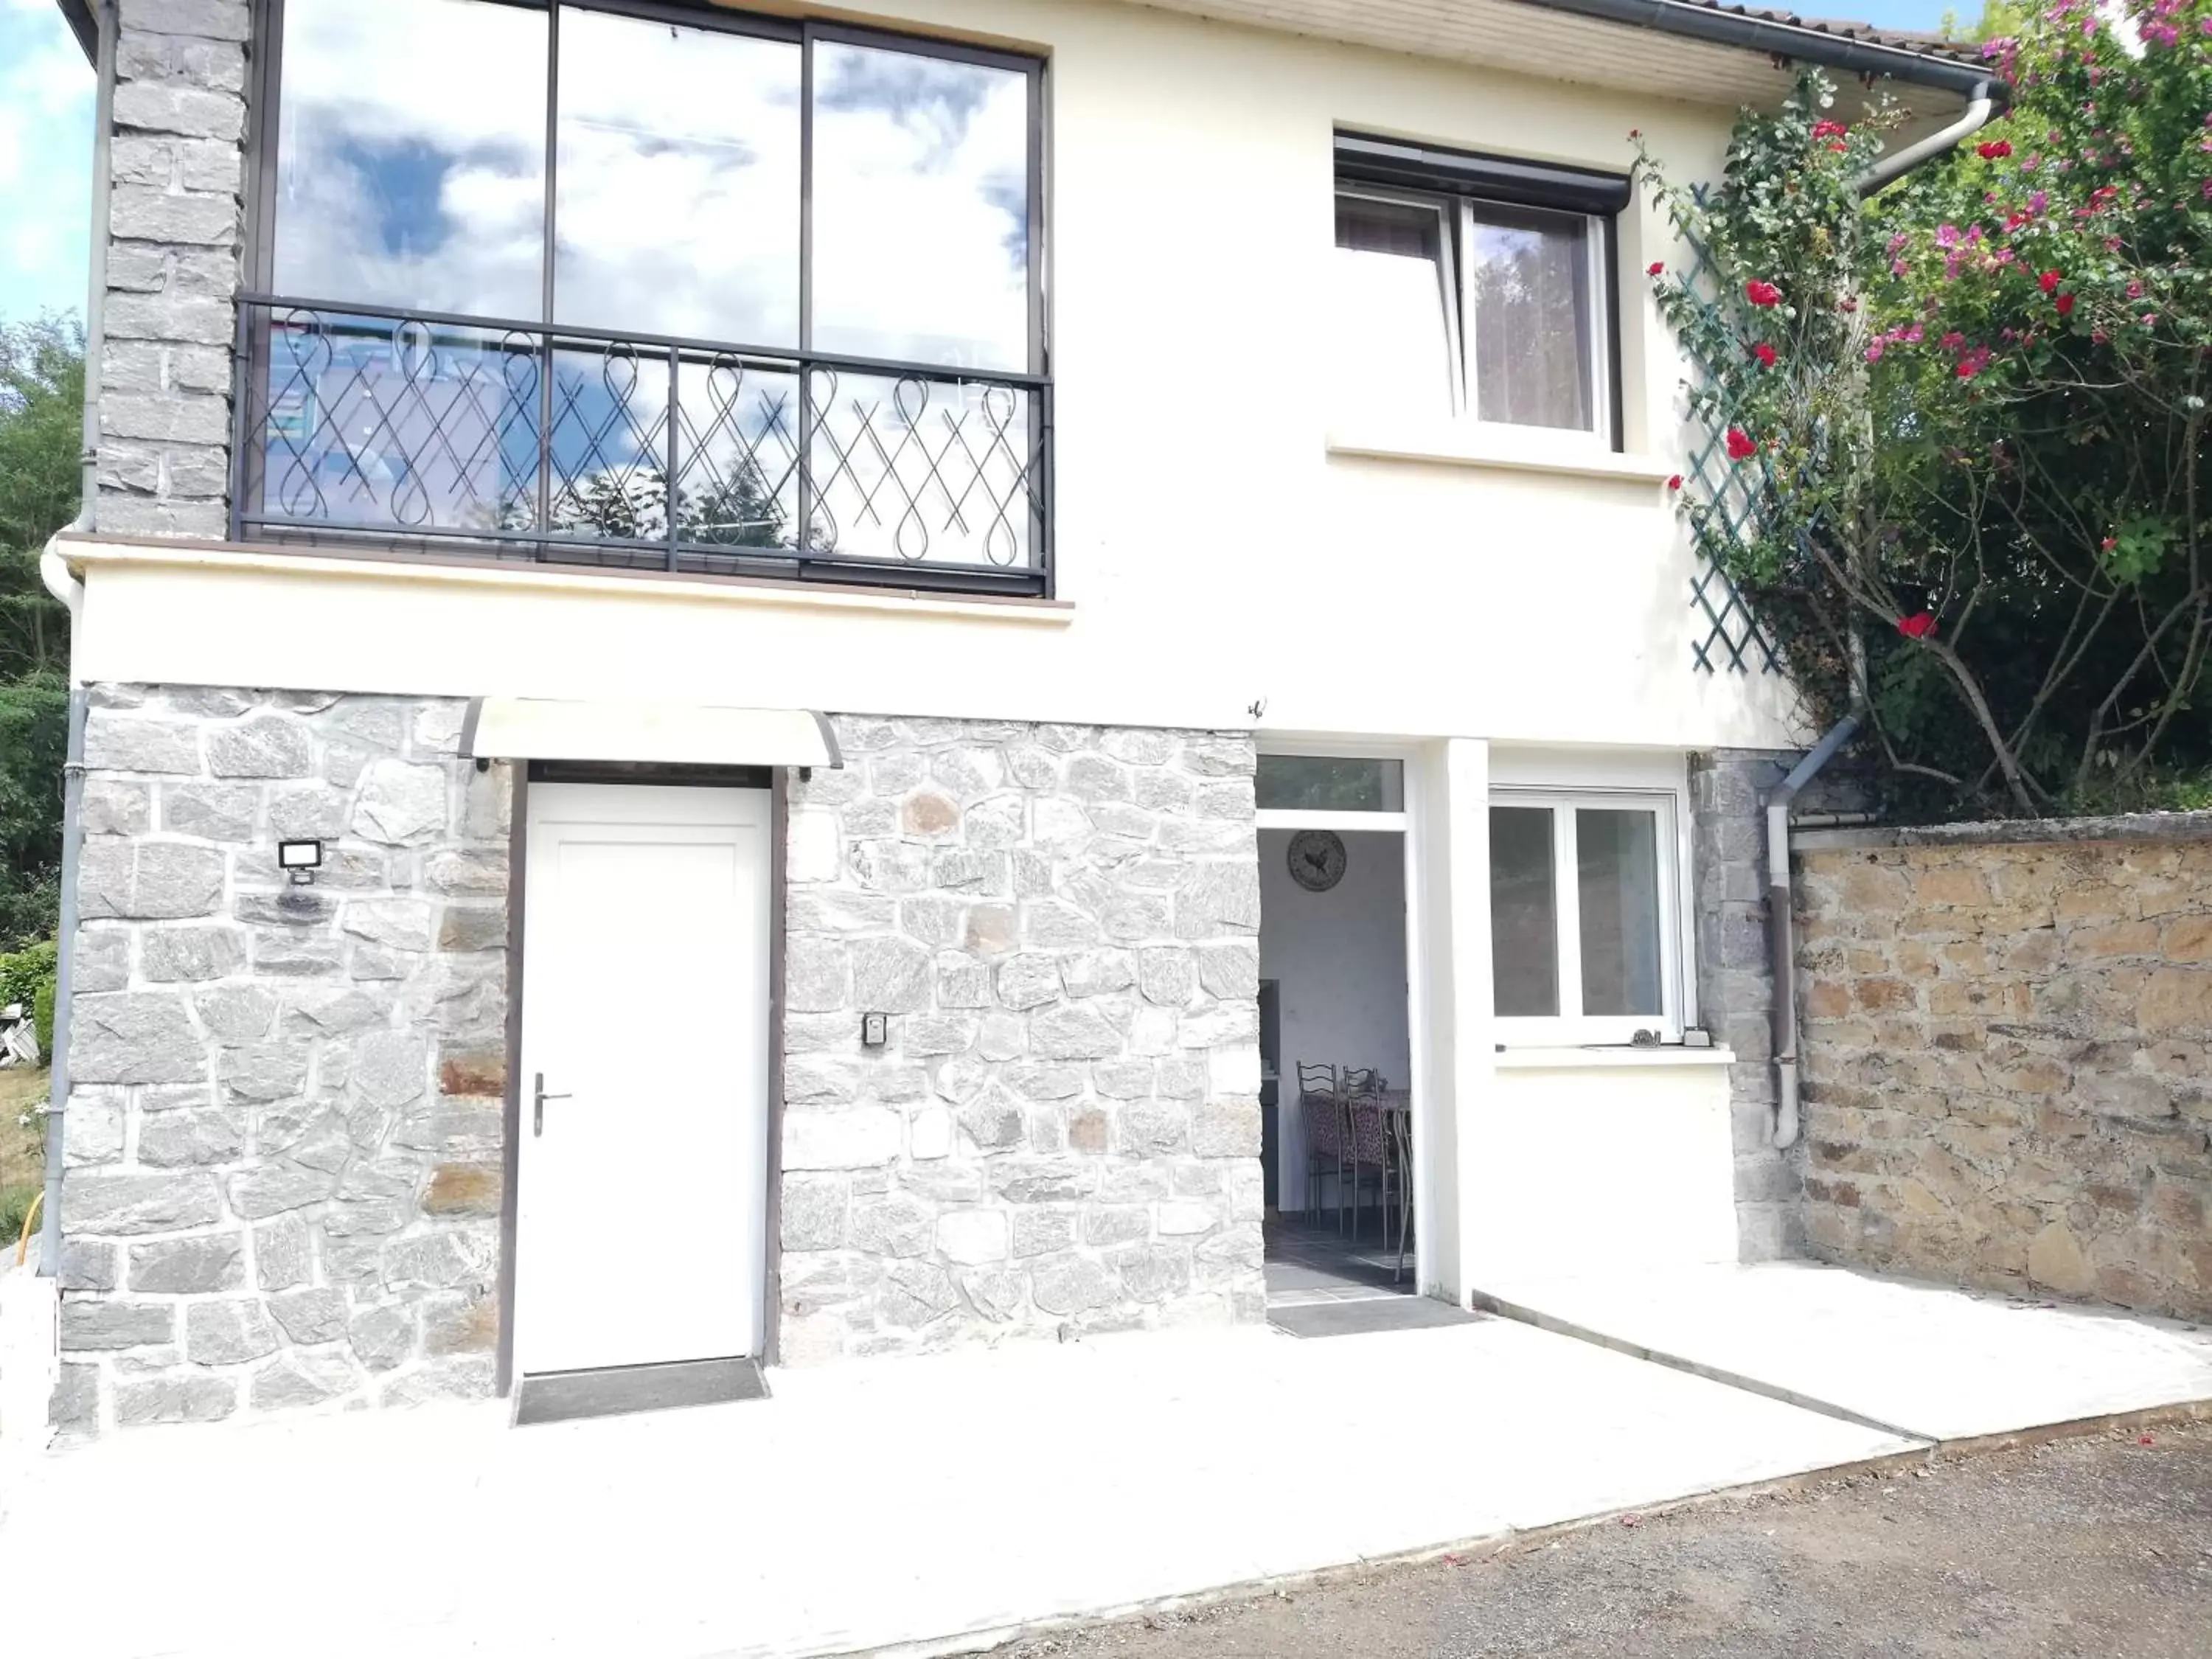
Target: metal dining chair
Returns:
[[1362, 1162], [1400, 1130], [1322, 1109]]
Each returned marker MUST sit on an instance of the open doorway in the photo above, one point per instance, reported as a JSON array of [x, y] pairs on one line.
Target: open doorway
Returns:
[[1335, 1046]]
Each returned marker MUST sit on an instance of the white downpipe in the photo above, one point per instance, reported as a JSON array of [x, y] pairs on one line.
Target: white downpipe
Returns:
[[1981, 109], [61, 581]]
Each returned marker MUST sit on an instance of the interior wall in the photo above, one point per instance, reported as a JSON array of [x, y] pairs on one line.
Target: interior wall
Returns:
[[1339, 957]]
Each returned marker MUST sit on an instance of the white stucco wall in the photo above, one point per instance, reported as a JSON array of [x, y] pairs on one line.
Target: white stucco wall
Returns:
[[1213, 554], [1578, 1169]]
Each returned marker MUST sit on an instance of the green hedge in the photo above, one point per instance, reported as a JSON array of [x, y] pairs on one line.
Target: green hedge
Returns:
[[28, 977]]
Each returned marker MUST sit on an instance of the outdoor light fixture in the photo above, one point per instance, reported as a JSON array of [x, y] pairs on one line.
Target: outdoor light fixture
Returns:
[[302, 858], [875, 1030]]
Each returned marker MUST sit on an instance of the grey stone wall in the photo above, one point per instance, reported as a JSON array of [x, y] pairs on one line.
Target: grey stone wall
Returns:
[[1063, 1130], [174, 234], [1735, 983], [282, 1147]]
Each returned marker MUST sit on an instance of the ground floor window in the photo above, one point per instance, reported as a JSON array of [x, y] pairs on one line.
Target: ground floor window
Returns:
[[1583, 906]]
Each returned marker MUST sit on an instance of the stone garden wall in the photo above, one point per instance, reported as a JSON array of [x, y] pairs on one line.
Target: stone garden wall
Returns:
[[283, 1145], [2007, 1045], [1063, 1129]]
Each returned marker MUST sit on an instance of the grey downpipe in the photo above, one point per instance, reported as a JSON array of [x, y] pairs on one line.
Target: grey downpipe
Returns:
[[1981, 109], [49, 1221], [64, 587], [1781, 925]]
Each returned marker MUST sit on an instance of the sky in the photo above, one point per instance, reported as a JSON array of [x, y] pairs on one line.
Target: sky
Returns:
[[46, 146], [1891, 14], [46, 162]]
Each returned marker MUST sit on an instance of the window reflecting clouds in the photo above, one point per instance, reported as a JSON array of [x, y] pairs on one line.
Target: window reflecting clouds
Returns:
[[412, 176], [411, 155], [920, 208], [678, 193]]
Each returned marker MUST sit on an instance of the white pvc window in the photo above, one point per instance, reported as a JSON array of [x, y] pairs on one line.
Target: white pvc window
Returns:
[[1452, 308], [1584, 931]]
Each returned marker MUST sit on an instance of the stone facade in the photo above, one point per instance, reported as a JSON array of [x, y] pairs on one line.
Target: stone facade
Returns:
[[1063, 1129], [1735, 982], [284, 1141], [175, 232], [2009, 1056]]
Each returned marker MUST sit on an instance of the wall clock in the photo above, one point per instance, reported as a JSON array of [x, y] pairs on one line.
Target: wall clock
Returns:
[[1317, 860]]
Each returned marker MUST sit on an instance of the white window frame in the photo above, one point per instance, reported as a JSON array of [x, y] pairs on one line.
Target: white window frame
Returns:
[[1571, 1027], [1456, 276]]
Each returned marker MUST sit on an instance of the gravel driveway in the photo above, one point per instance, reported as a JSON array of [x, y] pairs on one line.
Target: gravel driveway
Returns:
[[2097, 1547]]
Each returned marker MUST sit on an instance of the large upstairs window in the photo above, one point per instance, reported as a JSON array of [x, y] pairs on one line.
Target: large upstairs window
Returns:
[[1472, 287], [648, 286]]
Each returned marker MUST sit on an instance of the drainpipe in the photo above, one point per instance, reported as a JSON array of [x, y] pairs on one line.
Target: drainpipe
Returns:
[[1782, 927], [1981, 109], [50, 1224], [54, 571]]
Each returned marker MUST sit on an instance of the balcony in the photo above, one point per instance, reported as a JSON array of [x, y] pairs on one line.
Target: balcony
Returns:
[[429, 433]]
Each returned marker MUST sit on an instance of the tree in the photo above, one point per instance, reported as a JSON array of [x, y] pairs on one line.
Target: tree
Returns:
[[41, 426], [1964, 424], [41, 412]]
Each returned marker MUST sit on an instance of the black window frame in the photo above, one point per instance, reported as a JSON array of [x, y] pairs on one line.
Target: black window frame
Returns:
[[1389, 167], [264, 120]]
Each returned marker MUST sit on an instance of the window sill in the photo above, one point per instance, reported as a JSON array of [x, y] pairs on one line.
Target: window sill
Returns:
[[1609, 1054], [1477, 447]]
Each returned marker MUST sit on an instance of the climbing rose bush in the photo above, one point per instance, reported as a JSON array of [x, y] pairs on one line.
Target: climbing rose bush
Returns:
[[1958, 465]]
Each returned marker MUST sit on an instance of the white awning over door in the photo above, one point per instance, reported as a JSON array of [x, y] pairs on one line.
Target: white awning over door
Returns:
[[652, 733]]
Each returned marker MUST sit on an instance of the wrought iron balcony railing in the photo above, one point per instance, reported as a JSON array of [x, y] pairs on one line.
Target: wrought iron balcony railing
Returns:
[[578, 446]]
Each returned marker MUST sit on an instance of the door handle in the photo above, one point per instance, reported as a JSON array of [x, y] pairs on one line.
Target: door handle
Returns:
[[538, 1097]]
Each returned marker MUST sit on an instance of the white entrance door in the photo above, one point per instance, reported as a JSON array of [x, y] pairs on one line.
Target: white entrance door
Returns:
[[642, 1195]]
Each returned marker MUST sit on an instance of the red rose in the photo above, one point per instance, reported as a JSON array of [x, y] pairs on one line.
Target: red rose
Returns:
[[1765, 354], [1740, 446], [1674, 484], [1762, 294], [1656, 268], [2049, 280], [1829, 129], [1918, 626], [2065, 304], [1995, 150]]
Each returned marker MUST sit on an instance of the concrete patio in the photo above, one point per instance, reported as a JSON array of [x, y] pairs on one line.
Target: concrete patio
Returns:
[[912, 1500], [1931, 1361], [940, 1501]]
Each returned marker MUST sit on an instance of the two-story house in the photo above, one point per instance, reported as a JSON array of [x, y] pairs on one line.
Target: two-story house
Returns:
[[750, 679]]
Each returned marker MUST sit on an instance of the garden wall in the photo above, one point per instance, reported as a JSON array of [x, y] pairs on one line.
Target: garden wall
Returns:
[[2005, 1041]]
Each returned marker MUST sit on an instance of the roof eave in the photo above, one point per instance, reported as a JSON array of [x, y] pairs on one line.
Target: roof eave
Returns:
[[77, 13], [1794, 41]]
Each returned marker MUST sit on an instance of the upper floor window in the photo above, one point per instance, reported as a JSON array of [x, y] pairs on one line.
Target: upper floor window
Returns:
[[622, 273], [1467, 286], [416, 168]]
